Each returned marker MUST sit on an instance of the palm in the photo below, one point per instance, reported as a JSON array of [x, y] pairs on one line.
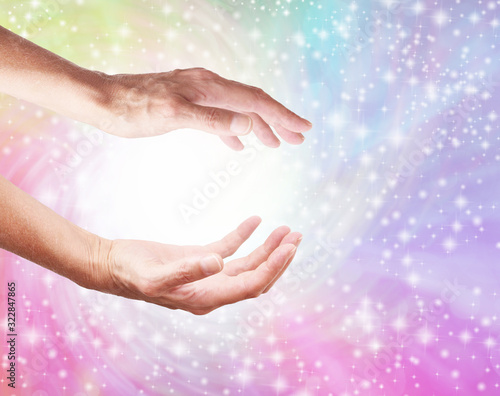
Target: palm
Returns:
[[169, 269]]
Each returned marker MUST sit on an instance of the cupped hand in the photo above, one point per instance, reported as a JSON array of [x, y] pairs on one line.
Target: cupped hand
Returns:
[[195, 278], [153, 104]]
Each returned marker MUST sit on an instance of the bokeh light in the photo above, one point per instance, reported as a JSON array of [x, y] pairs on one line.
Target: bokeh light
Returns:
[[394, 290]]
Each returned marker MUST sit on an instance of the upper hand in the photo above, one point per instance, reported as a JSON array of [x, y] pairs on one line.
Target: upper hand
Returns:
[[153, 104], [195, 278]]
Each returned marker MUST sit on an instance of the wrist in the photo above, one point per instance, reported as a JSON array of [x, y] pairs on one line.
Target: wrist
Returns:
[[98, 97], [97, 263]]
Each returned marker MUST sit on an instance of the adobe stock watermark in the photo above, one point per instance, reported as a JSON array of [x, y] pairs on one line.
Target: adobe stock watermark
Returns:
[[372, 27], [63, 167], [267, 305], [41, 12], [34, 371], [218, 182], [372, 367], [454, 118], [416, 157], [461, 112], [55, 346]]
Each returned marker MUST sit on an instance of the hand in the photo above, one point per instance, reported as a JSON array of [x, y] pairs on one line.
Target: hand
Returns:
[[144, 104], [153, 104], [195, 278]]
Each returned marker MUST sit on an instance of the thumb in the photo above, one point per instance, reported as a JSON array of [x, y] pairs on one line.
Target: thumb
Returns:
[[191, 269], [218, 121]]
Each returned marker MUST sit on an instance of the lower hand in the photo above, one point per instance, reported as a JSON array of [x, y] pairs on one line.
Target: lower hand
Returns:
[[195, 278]]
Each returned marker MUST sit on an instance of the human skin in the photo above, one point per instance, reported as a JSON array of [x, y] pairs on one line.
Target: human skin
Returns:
[[140, 105], [193, 278]]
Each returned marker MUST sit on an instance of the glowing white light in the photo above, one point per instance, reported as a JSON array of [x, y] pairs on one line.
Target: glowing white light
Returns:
[[440, 18]]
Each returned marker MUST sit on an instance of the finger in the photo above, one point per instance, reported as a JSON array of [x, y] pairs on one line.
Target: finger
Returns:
[[191, 269], [264, 132], [251, 99], [251, 284], [228, 245], [216, 120], [259, 255], [233, 142], [289, 136], [187, 270], [296, 242]]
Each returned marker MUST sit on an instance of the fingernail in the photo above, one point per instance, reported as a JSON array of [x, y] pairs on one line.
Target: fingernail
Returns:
[[210, 265], [241, 124], [292, 252], [299, 240], [308, 123]]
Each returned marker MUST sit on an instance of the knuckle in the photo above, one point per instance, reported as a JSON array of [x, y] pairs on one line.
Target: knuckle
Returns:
[[212, 118], [196, 94], [202, 73], [259, 94], [175, 73], [183, 274]]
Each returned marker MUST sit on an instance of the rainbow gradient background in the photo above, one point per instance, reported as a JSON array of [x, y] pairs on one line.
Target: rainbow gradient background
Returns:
[[396, 287]]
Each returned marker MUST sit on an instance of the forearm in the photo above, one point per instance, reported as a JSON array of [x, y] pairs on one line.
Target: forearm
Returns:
[[145, 104], [33, 231], [34, 74]]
